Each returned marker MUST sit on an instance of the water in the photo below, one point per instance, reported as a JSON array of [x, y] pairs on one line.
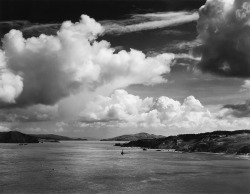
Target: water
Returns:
[[98, 167]]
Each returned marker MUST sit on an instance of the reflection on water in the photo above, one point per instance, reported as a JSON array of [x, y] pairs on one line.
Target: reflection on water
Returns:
[[98, 167]]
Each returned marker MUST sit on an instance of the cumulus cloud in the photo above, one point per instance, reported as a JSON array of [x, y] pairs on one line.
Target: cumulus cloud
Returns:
[[46, 69], [132, 110], [11, 85], [117, 107], [224, 29], [124, 110], [150, 21]]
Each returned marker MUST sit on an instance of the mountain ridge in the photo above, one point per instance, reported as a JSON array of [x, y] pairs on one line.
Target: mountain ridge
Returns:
[[56, 137], [133, 137]]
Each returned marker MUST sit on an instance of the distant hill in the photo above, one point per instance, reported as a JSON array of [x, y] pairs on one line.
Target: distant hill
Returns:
[[17, 137], [217, 142], [52, 137], [134, 137]]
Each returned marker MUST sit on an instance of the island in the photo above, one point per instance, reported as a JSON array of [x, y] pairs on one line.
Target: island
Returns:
[[134, 137], [17, 137], [230, 142]]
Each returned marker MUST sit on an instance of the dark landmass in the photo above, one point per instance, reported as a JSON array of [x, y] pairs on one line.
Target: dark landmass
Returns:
[[17, 137], [55, 138], [134, 137], [230, 142]]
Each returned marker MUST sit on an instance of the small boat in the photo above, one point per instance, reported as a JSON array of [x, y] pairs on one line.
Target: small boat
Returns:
[[122, 152], [144, 149]]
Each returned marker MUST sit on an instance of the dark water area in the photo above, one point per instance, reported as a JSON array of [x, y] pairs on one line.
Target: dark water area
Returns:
[[45, 11], [98, 167]]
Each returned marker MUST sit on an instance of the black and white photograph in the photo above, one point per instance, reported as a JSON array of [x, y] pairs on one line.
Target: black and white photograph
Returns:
[[124, 96]]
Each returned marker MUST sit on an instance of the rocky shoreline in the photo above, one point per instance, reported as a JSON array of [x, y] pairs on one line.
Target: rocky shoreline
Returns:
[[229, 142]]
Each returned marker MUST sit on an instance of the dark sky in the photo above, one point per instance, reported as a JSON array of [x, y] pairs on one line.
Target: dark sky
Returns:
[[44, 11]]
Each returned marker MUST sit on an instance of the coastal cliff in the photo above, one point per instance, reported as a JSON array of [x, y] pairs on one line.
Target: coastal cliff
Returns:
[[216, 142], [17, 137]]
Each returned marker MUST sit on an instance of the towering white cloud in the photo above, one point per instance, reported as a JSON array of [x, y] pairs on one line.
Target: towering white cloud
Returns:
[[45, 69], [11, 85]]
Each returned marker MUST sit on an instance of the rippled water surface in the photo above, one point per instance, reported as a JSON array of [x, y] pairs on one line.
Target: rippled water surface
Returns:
[[98, 167]]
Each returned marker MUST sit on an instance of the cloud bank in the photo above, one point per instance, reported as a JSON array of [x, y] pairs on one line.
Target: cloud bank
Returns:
[[46, 69], [224, 29], [126, 110]]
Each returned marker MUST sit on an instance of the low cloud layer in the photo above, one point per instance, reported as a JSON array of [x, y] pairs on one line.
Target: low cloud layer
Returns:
[[126, 110], [46, 69], [224, 29]]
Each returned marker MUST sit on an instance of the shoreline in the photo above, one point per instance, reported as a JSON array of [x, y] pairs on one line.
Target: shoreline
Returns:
[[239, 156]]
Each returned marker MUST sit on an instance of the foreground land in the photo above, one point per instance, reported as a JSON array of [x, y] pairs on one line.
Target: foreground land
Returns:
[[230, 142]]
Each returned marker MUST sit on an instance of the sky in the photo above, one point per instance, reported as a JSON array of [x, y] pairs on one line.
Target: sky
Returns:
[[104, 68]]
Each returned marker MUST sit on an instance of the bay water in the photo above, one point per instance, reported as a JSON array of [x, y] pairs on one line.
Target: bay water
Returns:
[[99, 167]]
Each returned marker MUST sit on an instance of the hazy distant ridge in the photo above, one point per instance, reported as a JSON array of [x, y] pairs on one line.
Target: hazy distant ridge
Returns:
[[56, 137], [134, 137]]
